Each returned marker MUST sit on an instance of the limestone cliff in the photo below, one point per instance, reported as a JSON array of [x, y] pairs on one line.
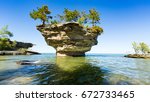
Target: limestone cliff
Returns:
[[69, 39]]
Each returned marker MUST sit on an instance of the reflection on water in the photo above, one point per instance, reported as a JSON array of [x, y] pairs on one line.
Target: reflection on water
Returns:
[[89, 70], [65, 71], [69, 70]]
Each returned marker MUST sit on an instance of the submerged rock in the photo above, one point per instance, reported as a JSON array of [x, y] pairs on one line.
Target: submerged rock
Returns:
[[27, 62], [69, 39]]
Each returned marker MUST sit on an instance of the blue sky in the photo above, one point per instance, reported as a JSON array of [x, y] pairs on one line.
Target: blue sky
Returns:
[[123, 21]]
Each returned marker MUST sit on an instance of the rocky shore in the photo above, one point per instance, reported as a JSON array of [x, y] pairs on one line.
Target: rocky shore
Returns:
[[17, 49], [144, 56], [18, 53]]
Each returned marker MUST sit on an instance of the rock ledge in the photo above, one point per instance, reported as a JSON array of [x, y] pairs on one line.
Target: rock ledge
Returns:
[[69, 39], [147, 56]]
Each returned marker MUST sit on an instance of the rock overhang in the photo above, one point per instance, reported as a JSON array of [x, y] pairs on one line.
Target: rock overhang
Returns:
[[69, 39]]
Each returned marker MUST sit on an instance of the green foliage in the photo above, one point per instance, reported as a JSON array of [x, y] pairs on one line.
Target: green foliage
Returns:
[[70, 16], [5, 33], [80, 17], [94, 17], [136, 47], [54, 22], [14, 43], [141, 47], [83, 18], [96, 29], [86, 26], [6, 44], [144, 48], [42, 14], [22, 50]]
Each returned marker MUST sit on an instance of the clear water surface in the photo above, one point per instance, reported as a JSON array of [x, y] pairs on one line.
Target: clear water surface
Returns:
[[94, 69]]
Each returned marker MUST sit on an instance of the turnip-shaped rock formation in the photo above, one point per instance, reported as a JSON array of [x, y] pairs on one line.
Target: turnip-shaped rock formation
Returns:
[[69, 39]]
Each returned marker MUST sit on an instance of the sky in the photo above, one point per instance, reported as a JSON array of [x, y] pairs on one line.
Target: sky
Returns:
[[123, 21]]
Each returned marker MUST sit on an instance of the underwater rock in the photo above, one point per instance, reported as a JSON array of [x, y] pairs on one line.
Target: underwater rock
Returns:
[[27, 62]]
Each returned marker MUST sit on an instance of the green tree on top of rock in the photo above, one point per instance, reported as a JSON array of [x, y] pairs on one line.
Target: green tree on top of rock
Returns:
[[42, 14], [136, 47], [141, 48], [71, 16], [144, 48], [94, 17], [5, 43], [82, 18], [68, 16]]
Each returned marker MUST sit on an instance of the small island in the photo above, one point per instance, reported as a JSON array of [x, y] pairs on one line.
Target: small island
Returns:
[[141, 50], [9, 47], [72, 34]]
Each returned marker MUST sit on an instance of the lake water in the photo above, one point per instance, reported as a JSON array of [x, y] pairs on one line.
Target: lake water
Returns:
[[97, 69]]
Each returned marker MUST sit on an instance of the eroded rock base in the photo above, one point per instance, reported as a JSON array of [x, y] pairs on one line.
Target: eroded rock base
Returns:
[[74, 54]]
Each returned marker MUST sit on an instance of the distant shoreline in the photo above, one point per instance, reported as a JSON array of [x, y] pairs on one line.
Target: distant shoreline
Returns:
[[144, 56], [3, 53]]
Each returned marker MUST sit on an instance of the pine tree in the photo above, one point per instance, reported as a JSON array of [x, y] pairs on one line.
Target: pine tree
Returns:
[[42, 14]]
